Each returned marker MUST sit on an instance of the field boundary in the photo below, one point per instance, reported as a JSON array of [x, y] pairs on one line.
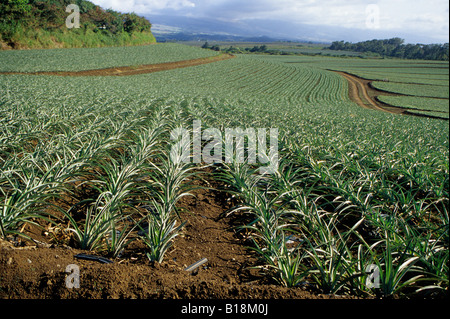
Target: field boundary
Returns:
[[131, 70], [363, 93]]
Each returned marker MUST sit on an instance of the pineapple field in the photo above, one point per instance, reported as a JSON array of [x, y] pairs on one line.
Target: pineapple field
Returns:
[[93, 173]]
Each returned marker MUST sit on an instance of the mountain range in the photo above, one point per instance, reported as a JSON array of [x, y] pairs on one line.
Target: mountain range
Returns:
[[171, 27]]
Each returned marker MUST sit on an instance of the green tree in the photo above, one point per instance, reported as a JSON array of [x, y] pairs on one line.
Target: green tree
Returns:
[[115, 22], [11, 12], [215, 48], [135, 23], [395, 47], [14, 8]]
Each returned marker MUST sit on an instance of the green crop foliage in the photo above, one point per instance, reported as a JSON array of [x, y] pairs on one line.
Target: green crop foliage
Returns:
[[354, 187], [94, 58], [414, 89]]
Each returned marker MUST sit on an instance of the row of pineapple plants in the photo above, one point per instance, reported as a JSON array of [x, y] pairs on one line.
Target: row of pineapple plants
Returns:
[[108, 177], [329, 222], [328, 214]]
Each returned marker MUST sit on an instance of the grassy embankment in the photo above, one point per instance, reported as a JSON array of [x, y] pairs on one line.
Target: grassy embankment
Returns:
[[31, 24]]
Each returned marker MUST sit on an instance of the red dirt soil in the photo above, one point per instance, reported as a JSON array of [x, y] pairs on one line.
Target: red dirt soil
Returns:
[[39, 271]]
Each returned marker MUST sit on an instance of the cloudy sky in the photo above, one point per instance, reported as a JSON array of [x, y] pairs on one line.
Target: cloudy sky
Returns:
[[427, 18]]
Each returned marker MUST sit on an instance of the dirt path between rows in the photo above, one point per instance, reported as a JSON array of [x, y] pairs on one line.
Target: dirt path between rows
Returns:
[[132, 70], [363, 93]]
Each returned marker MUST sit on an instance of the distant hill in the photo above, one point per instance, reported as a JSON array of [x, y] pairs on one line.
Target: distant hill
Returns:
[[180, 28], [174, 27], [30, 24], [202, 37]]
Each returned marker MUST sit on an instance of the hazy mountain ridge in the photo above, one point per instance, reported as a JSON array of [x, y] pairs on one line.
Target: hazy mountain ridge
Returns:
[[216, 29]]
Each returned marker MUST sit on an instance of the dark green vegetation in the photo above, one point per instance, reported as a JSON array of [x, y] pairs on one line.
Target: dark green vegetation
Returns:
[[26, 24], [354, 187], [391, 48], [278, 48], [396, 48]]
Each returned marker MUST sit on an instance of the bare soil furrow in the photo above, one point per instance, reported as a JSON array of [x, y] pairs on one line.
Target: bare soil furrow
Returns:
[[362, 92], [131, 70]]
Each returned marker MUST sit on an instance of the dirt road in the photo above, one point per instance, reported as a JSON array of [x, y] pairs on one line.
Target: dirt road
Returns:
[[133, 70], [362, 92]]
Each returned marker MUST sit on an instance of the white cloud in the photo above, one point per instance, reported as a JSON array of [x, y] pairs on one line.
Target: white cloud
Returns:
[[144, 6], [427, 17]]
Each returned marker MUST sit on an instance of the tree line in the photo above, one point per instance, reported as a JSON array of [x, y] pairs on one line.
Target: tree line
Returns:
[[237, 50], [396, 48]]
